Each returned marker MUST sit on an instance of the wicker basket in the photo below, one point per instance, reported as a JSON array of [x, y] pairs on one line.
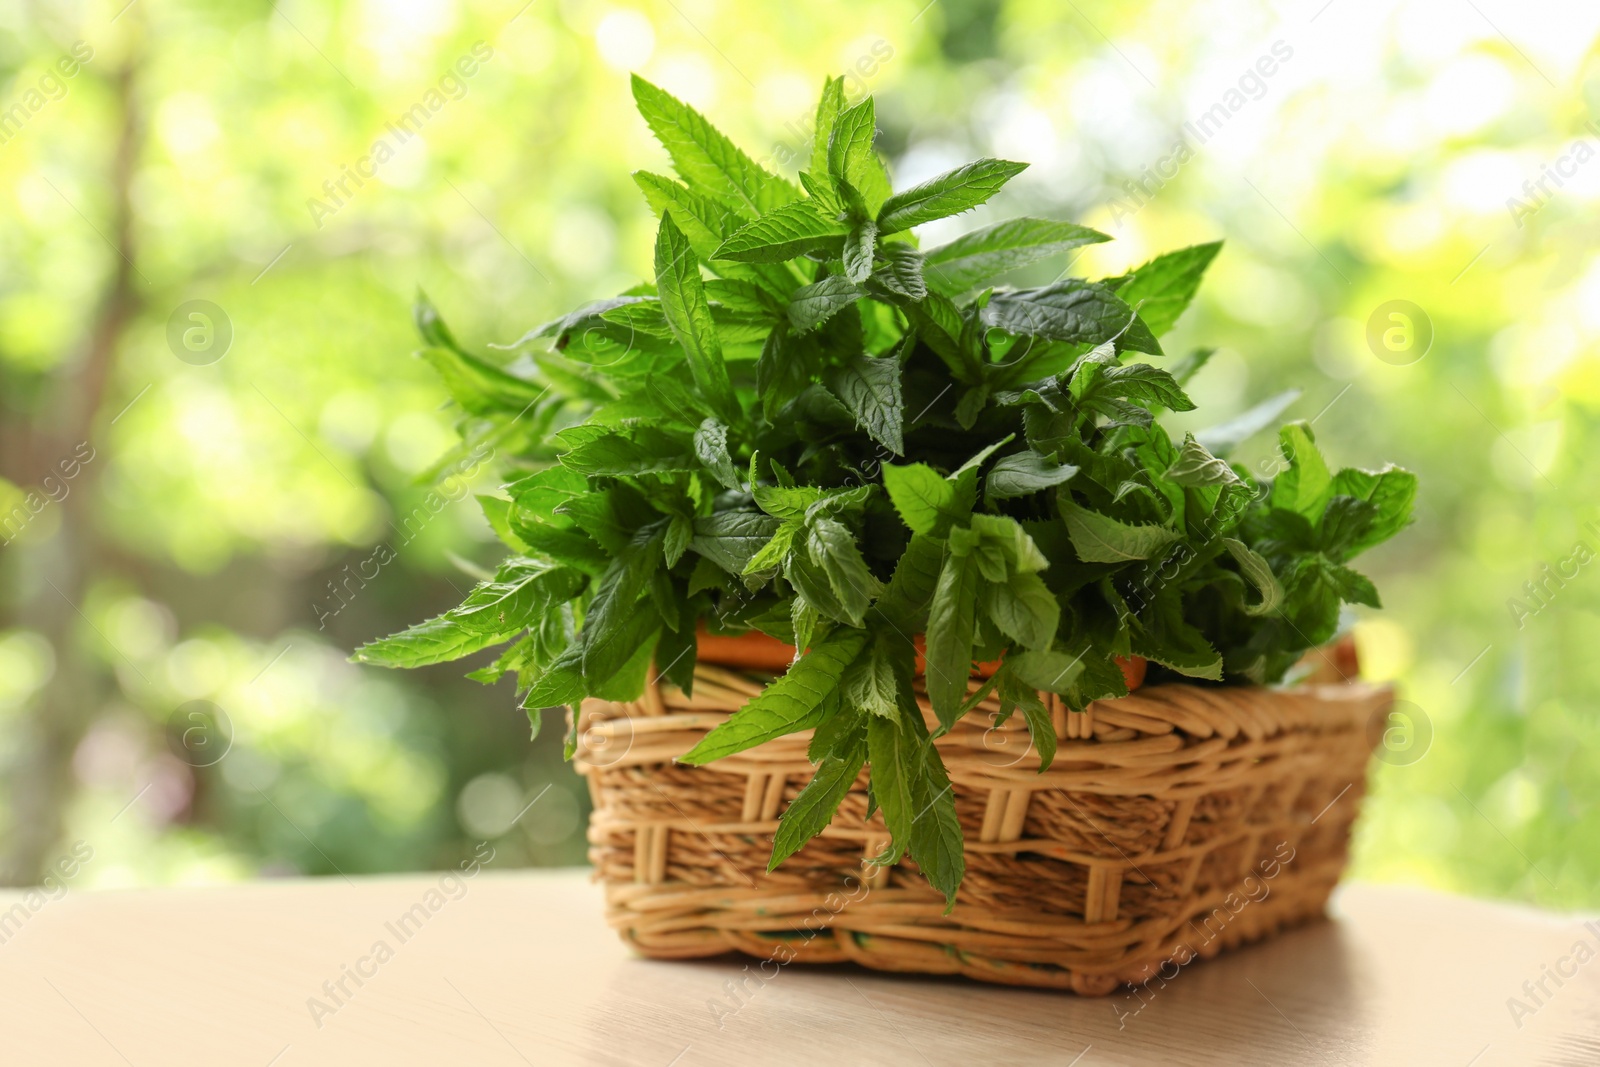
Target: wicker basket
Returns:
[[1174, 823]]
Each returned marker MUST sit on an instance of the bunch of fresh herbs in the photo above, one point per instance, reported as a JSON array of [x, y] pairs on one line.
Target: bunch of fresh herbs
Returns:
[[809, 426]]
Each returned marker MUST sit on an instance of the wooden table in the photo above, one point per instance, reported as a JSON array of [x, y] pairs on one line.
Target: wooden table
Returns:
[[519, 968]]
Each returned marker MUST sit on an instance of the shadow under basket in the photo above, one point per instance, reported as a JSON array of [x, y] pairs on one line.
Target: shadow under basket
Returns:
[[1174, 823]]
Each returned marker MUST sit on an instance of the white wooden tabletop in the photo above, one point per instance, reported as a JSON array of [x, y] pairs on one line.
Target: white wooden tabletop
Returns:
[[519, 968]]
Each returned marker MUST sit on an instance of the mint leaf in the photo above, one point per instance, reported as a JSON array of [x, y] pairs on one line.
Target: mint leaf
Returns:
[[602, 451], [1258, 572], [438, 640], [1023, 608], [858, 250], [925, 501], [810, 813], [935, 838], [1163, 287], [1041, 727], [1099, 538], [1024, 473], [704, 221], [852, 161], [609, 631], [870, 389], [1147, 386], [901, 273], [1162, 635], [793, 702], [894, 752], [792, 230], [519, 595], [813, 305], [711, 445], [1391, 491], [1073, 310], [1306, 486], [832, 546], [905, 602], [1197, 467], [949, 194], [983, 255], [704, 157], [828, 109], [951, 621], [1050, 670], [479, 386], [683, 299], [731, 539]]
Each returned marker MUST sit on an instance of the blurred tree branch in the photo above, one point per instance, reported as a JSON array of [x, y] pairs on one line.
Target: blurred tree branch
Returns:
[[58, 579]]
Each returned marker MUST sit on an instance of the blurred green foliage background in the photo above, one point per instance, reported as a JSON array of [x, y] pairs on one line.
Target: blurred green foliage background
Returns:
[[224, 527]]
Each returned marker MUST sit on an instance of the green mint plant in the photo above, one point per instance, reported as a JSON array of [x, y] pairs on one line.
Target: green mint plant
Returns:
[[809, 426]]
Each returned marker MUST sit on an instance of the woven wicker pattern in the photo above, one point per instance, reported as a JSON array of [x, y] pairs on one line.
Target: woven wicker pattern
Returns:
[[1174, 823]]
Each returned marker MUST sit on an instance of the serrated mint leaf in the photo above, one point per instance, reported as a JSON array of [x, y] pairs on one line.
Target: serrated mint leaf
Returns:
[[901, 273], [852, 161], [828, 109], [979, 257], [1148, 387], [936, 842], [925, 501], [787, 232], [1024, 473], [711, 445], [602, 451], [1391, 491], [793, 702], [1197, 467], [872, 684], [1099, 538], [1163, 636], [1050, 670], [1258, 572], [1306, 486], [1023, 609], [706, 159], [683, 300], [479, 386], [951, 620], [1353, 587], [782, 371], [438, 640], [894, 752], [870, 388], [832, 547], [813, 305], [811, 812], [1163, 287], [520, 593], [610, 634], [730, 539], [704, 221], [904, 602], [1072, 310], [858, 250], [949, 194]]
